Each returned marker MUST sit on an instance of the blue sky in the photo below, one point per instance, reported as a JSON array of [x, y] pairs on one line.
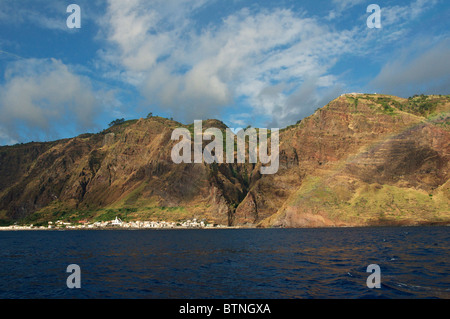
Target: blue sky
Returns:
[[261, 63]]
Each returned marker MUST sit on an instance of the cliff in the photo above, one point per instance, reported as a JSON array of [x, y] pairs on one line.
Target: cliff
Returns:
[[363, 159]]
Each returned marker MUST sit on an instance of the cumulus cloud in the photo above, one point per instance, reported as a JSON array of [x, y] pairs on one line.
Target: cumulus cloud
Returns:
[[259, 56], [39, 96], [276, 63], [142, 31]]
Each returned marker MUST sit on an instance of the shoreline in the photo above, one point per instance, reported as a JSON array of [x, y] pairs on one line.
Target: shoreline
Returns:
[[122, 228], [27, 228]]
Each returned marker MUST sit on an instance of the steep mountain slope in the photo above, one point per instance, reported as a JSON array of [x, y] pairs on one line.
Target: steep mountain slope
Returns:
[[360, 160], [363, 159], [126, 169]]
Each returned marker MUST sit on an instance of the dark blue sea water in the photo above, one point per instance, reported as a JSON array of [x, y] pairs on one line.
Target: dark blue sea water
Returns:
[[227, 263]]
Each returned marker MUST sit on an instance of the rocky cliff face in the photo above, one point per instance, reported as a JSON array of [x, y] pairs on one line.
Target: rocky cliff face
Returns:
[[366, 160], [126, 169], [360, 160]]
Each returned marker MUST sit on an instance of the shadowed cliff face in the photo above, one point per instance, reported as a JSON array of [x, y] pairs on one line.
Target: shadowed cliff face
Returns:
[[360, 160], [128, 167]]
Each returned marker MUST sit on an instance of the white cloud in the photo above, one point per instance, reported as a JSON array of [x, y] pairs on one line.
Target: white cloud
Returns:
[[196, 73], [340, 6], [144, 31], [48, 14], [43, 95], [278, 62], [400, 15]]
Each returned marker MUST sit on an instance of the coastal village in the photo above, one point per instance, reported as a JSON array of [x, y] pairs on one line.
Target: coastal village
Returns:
[[117, 223]]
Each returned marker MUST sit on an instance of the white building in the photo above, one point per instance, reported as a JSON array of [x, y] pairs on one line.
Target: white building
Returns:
[[117, 222]]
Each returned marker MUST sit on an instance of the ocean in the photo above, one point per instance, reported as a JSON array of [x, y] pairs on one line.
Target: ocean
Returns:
[[320, 263]]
